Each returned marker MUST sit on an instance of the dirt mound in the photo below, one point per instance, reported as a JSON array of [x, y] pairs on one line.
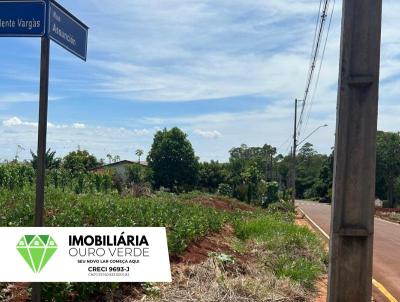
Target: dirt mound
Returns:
[[225, 204], [200, 250]]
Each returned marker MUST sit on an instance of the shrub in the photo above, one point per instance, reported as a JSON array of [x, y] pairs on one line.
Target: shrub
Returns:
[[225, 190], [271, 195], [136, 174], [118, 182]]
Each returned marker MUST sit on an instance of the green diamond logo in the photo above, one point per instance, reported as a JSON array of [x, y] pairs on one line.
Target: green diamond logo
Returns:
[[36, 250]]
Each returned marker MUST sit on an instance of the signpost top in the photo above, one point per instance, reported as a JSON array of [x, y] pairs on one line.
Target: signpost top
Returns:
[[67, 30], [44, 18], [23, 18]]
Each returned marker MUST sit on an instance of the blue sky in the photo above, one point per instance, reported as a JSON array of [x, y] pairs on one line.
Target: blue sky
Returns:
[[226, 72]]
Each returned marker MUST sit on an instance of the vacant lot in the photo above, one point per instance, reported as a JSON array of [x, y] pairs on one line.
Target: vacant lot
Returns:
[[221, 249]]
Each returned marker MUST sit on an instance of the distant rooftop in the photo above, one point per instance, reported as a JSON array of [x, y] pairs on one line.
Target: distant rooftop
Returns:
[[122, 162]]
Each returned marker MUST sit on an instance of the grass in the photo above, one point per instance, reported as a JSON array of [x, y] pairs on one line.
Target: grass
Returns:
[[295, 252]]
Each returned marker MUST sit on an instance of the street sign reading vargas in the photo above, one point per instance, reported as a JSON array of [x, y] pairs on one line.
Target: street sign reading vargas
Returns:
[[23, 18], [67, 31]]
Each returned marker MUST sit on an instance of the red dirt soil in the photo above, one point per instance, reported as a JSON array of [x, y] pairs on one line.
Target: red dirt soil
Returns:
[[199, 251], [217, 242], [225, 204]]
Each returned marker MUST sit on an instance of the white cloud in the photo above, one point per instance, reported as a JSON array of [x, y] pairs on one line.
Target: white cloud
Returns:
[[23, 97], [79, 126], [19, 97], [214, 134], [16, 121], [64, 138]]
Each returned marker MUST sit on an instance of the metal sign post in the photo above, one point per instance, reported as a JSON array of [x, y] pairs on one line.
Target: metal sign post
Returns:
[[42, 130], [48, 20]]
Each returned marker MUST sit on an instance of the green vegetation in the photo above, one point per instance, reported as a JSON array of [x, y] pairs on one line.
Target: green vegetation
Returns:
[[388, 167], [79, 161], [15, 176], [76, 195], [296, 252], [185, 221], [173, 161], [50, 161]]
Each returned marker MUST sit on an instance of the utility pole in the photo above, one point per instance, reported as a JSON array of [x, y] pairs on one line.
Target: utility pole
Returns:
[[350, 265], [293, 166], [271, 177]]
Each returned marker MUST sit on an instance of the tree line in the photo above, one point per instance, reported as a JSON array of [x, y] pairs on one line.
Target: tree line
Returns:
[[252, 174]]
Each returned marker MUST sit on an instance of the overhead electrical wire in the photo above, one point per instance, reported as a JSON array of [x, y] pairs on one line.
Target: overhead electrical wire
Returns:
[[285, 143], [320, 66], [314, 55], [315, 30]]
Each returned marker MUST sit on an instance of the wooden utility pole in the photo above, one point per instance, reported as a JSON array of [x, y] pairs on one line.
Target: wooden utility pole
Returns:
[[350, 269]]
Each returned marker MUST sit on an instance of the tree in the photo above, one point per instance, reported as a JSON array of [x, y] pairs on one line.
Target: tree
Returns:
[[251, 177], [387, 165], [323, 187], [173, 160], [269, 153], [308, 167], [51, 162], [79, 161], [245, 161], [137, 174], [139, 153], [211, 175]]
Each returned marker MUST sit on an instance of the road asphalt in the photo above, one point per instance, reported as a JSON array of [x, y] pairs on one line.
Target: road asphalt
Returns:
[[386, 266]]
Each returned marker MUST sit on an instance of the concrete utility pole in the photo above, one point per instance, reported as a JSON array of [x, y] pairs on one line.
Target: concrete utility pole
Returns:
[[350, 269], [293, 166]]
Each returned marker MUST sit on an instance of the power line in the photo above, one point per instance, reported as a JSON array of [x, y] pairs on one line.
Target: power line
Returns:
[[315, 52], [320, 66], [315, 30], [285, 143]]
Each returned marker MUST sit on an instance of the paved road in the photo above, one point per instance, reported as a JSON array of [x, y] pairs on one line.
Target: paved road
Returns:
[[386, 268]]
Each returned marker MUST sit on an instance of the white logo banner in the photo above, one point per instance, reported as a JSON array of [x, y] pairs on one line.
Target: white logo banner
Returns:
[[89, 254]]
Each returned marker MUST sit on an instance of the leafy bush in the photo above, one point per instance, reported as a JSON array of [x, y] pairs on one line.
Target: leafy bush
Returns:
[[271, 194], [14, 176], [137, 174], [310, 193], [225, 190], [285, 209]]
